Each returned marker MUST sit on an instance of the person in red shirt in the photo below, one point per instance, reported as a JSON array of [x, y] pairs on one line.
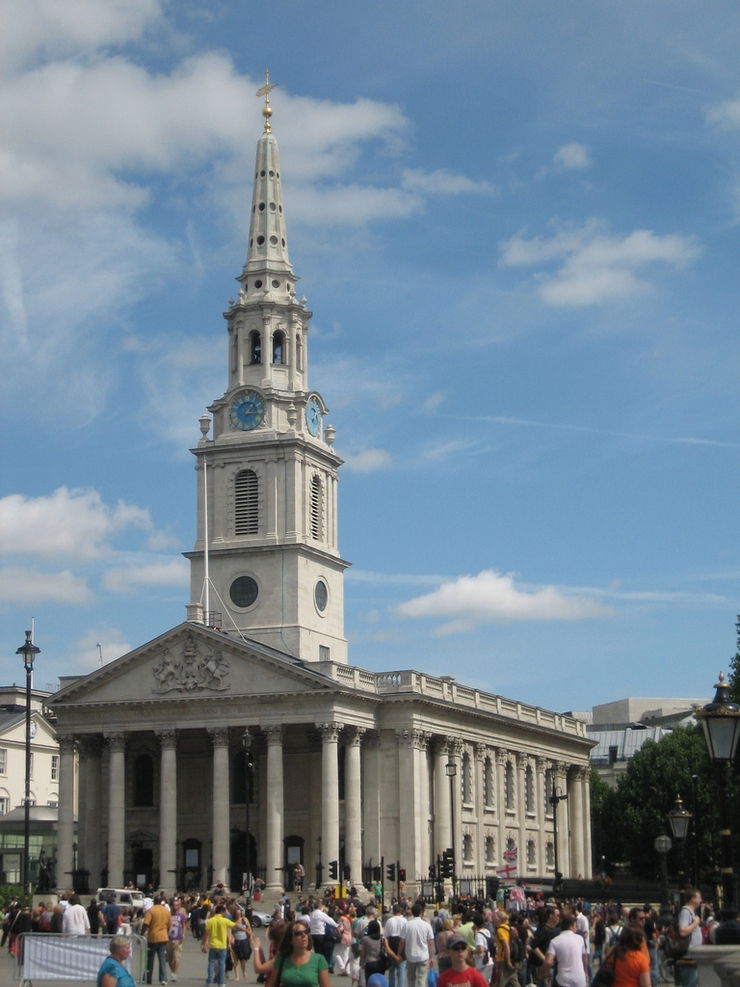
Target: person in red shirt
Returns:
[[460, 974]]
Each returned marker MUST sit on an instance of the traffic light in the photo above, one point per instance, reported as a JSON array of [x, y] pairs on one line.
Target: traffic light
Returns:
[[333, 870], [391, 872], [401, 873], [448, 862]]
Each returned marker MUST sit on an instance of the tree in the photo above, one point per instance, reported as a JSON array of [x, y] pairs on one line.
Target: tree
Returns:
[[633, 814], [734, 677]]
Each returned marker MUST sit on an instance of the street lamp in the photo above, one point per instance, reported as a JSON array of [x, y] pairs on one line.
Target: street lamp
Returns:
[[679, 819], [451, 771], [553, 800], [247, 744], [662, 846], [29, 651], [721, 722]]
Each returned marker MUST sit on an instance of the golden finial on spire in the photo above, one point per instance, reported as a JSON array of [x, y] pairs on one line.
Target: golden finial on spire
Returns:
[[265, 91]]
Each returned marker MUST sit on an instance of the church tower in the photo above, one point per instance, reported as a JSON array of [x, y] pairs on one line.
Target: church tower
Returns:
[[267, 478]]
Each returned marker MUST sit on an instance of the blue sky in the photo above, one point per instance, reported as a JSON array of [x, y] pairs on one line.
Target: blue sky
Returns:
[[517, 226]]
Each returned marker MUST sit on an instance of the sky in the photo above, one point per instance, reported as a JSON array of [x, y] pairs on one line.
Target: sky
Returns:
[[517, 225]]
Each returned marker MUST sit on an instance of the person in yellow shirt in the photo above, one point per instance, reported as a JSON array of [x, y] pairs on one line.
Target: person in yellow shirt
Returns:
[[157, 930], [215, 942]]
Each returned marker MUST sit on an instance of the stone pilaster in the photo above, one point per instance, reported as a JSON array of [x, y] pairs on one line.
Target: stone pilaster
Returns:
[[353, 802], [220, 799], [66, 824], [275, 809], [167, 810], [329, 794], [116, 807]]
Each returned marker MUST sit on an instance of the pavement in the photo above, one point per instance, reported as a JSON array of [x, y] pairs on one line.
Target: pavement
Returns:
[[192, 968]]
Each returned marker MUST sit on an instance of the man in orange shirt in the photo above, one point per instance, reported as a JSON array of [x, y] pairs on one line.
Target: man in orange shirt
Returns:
[[157, 929]]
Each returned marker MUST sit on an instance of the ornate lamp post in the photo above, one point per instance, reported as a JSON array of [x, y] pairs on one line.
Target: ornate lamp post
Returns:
[[29, 651], [679, 819], [721, 722], [554, 799], [662, 846], [247, 745], [451, 771]]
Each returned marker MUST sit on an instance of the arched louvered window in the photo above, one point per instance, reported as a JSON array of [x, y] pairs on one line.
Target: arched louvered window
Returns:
[[299, 351], [246, 503], [278, 347], [255, 347], [317, 507]]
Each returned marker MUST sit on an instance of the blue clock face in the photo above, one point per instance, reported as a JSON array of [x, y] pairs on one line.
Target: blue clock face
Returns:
[[247, 411], [313, 416]]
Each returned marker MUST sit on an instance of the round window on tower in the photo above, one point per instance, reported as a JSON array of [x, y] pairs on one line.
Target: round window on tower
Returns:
[[321, 595], [243, 592]]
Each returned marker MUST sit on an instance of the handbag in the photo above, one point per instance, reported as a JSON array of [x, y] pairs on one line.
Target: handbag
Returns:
[[604, 976]]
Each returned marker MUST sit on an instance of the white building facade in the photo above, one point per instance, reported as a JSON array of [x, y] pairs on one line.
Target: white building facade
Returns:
[[344, 764]]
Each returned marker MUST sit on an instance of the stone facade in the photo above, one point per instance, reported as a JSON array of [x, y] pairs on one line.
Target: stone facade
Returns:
[[348, 765]]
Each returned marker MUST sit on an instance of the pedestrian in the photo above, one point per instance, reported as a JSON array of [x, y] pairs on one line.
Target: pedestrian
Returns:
[[295, 963], [568, 951], [75, 921], [112, 972], [630, 959], [156, 928], [417, 947], [689, 927], [460, 973], [373, 958], [215, 942], [178, 924]]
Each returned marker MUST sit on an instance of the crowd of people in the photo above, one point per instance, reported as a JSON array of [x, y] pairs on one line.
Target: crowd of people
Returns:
[[469, 944]]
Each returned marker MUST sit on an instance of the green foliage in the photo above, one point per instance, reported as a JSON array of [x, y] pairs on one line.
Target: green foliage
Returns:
[[632, 815], [8, 891], [734, 676]]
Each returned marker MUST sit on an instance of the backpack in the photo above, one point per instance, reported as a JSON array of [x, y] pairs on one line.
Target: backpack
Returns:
[[614, 935], [675, 946], [516, 947]]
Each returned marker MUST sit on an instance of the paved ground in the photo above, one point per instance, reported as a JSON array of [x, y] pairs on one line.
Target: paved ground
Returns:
[[192, 969]]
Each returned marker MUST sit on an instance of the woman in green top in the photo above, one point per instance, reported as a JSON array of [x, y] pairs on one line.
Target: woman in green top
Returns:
[[295, 964]]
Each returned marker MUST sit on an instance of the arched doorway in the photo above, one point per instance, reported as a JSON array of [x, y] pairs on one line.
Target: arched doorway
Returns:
[[238, 860]]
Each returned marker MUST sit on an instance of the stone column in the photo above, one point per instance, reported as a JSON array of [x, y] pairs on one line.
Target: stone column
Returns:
[[274, 809], [442, 821], [329, 795], [89, 810], [479, 758], [116, 807], [500, 767], [521, 808], [353, 803], [371, 803], [456, 749], [561, 785], [410, 809], [220, 807], [541, 810], [575, 801], [66, 824], [587, 848], [167, 810], [425, 852]]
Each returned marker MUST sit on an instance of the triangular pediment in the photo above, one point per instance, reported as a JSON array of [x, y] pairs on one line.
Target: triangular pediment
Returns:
[[193, 662]]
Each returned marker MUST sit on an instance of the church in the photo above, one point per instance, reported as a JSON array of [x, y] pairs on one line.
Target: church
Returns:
[[243, 742]]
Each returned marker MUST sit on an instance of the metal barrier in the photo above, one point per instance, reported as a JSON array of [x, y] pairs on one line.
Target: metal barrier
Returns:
[[50, 956]]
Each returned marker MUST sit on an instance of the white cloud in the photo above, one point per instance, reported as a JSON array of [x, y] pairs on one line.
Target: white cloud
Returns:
[[52, 27], [595, 265], [31, 586], [443, 182], [75, 524], [126, 579], [368, 461], [494, 597], [725, 114], [112, 644], [572, 156]]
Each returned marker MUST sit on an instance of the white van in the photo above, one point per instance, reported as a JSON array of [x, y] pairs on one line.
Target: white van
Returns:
[[126, 897]]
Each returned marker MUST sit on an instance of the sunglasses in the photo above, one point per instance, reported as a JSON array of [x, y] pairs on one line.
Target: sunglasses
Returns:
[[458, 948], [300, 932]]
